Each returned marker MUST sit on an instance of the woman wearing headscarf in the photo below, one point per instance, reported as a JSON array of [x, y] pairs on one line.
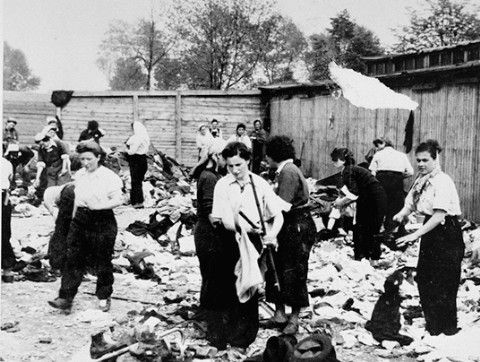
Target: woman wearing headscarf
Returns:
[[137, 148], [359, 185], [295, 239], [93, 229], [207, 240], [434, 197]]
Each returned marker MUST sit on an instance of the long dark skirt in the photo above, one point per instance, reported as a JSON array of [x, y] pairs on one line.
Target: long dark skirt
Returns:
[[392, 183], [8, 256], [438, 276], [90, 242], [138, 168], [369, 218], [229, 321], [295, 241]]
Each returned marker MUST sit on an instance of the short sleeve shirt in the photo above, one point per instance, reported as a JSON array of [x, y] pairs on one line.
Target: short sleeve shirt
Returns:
[[96, 187], [440, 193], [229, 198], [6, 173], [52, 153], [390, 159], [291, 185]]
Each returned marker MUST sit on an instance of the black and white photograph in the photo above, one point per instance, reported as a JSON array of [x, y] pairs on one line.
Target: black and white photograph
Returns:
[[240, 180]]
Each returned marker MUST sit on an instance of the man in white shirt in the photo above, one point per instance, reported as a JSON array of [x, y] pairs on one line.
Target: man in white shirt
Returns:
[[391, 167]]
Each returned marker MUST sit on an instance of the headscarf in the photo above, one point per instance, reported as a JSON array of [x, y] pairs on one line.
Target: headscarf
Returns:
[[140, 134]]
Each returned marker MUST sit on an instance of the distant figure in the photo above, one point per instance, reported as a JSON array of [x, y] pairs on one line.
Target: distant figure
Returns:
[[92, 132], [204, 141], [241, 136], [390, 167], [55, 121], [52, 165], [258, 137], [14, 151], [214, 130], [137, 148]]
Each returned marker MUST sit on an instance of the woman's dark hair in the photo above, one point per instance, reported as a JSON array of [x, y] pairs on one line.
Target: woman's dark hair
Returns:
[[92, 125], [257, 121], [381, 140], [91, 146], [213, 120], [280, 148], [197, 171], [241, 125], [343, 154], [431, 146], [236, 149]]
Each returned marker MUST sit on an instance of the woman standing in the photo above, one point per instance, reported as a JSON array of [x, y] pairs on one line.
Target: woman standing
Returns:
[[296, 238], [359, 185], [204, 141], [390, 167], [206, 238], [236, 322], [93, 228], [137, 148], [434, 196]]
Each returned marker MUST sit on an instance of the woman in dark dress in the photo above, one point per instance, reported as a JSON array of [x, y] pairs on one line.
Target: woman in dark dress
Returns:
[[206, 238], [296, 237], [434, 196], [359, 185]]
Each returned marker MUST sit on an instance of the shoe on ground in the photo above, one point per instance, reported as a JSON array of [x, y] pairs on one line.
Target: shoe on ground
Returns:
[[104, 304], [8, 277], [61, 303]]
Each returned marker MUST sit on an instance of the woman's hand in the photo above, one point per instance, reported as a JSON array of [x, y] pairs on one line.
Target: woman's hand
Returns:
[[400, 218], [270, 240], [404, 240]]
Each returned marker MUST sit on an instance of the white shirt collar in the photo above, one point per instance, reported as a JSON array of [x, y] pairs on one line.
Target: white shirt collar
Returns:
[[282, 164]]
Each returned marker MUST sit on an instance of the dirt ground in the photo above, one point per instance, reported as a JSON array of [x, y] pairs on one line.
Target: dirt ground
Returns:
[[45, 334]]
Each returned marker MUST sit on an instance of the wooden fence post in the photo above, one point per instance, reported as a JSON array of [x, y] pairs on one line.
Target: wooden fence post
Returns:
[[178, 127], [135, 108]]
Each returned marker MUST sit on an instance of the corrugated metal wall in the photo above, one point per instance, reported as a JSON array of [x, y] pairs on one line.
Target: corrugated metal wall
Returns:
[[30, 110], [449, 114]]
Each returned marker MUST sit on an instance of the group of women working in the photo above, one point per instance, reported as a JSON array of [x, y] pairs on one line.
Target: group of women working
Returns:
[[224, 203]]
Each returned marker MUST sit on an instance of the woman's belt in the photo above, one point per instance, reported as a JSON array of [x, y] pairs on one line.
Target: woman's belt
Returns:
[[387, 172]]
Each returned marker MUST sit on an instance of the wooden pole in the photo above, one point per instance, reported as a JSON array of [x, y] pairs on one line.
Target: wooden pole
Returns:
[[178, 127], [135, 107]]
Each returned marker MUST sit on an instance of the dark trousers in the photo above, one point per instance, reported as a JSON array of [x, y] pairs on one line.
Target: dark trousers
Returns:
[[90, 242], [369, 218], [51, 177], [295, 241], [138, 168], [438, 276], [8, 257], [230, 321], [392, 183]]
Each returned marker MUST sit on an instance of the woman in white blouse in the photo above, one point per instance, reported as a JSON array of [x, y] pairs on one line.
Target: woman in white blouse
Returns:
[[434, 196], [93, 229], [137, 148]]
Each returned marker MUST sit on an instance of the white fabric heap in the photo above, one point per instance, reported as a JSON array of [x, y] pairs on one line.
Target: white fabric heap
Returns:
[[368, 92]]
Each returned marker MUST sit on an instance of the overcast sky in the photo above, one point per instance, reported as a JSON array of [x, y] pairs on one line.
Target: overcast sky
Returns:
[[60, 38]]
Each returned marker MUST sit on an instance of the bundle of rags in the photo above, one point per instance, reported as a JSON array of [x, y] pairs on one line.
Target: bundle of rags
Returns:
[[385, 322]]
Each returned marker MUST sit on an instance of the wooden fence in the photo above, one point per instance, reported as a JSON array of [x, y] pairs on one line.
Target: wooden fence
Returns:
[[30, 110], [172, 118], [448, 113]]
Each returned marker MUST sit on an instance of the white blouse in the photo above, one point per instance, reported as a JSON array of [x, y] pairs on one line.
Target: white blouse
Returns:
[[97, 187]]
